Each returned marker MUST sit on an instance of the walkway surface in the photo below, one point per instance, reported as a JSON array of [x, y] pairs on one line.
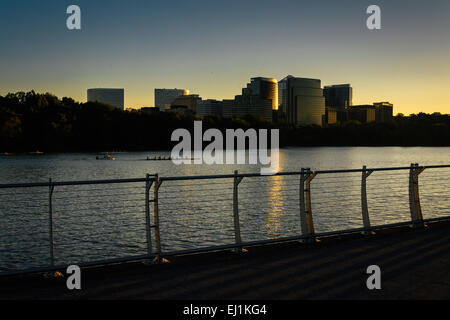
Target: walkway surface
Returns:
[[415, 264]]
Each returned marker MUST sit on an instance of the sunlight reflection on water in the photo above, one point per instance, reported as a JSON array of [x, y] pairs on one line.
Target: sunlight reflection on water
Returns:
[[105, 221]]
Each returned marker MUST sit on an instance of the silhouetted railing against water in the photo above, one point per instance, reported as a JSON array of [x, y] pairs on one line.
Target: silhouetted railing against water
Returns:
[[50, 224]]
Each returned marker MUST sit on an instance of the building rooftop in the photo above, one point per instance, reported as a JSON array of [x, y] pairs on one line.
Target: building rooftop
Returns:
[[292, 77], [265, 79], [338, 86]]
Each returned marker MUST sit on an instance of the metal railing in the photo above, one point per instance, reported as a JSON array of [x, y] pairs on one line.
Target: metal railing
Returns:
[[102, 221]]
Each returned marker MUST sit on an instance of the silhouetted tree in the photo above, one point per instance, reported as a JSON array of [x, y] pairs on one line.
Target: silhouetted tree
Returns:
[[30, 121]]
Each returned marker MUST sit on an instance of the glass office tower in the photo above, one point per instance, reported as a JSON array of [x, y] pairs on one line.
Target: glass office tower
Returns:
[[301, 101], [265, 88], [338, 96]]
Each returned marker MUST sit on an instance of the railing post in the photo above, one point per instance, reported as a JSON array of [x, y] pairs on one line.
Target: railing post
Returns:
[[148, 185], [306, 220], [50, 211], [414, 199], [237, 228], [158, 183], [303, 226], [365, 211], [309, 219]]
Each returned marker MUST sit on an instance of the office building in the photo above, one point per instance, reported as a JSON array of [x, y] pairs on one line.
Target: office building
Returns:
[[301, 101], [244, 105], [210, 108], [252, 105], [113, 97], [362, 113], [227, 108], [330, 115], [189, 101], [379, 112], [265, 88], [384, 111], [165, 97], [338, 96], [257, 99]]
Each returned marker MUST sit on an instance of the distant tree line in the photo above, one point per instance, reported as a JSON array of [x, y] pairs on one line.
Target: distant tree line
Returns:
[[31, 121]]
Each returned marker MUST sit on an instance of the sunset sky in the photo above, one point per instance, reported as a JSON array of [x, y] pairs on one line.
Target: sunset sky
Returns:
[[213, 48]]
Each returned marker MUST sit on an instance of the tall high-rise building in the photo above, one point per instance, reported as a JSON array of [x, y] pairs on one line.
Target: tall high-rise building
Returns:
[[113, 97], [258, 99], [165, 97], [301, 101], [338, 96], [265, 88]]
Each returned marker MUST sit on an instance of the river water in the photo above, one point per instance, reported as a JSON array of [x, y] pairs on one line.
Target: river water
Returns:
[[106, 221]]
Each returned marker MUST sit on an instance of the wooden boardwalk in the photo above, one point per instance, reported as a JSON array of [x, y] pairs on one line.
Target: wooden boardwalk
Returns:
[[415, 264]]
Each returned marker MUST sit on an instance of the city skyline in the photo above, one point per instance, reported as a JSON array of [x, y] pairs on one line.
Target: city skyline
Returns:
[[213, 48]]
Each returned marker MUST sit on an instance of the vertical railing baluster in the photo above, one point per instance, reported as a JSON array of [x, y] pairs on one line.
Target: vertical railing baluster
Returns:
[[309, 218], [148, 185], [303, 225], [158, 183], [364, 207], [50, 209], [306, 219], [237, 228], [414, 199]]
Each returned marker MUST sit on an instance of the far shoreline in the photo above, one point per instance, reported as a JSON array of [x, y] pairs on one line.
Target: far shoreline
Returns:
[[43, 153]]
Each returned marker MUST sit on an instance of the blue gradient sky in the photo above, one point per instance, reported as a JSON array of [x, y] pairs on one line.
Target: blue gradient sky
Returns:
[[213, 47]]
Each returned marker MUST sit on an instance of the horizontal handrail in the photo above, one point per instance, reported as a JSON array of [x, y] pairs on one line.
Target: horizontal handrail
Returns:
[[205, 177], [73, 183], [156, 203]]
